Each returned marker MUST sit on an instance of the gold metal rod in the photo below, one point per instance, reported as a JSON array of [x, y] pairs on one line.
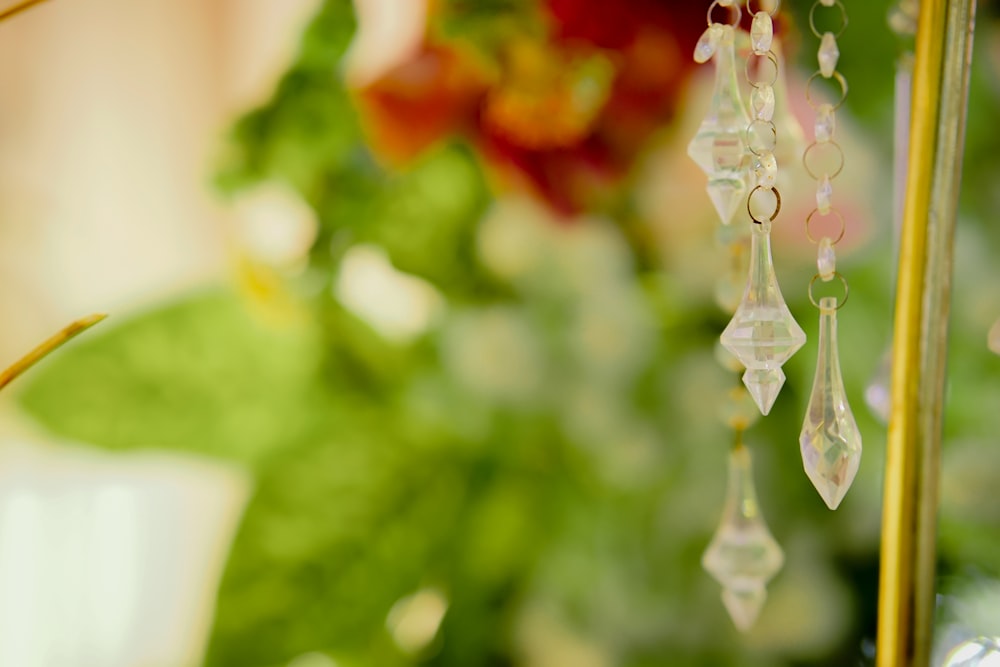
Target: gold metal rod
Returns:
[[909, 520], [14, 10], [61, 337], [942, 220], [896, 642]]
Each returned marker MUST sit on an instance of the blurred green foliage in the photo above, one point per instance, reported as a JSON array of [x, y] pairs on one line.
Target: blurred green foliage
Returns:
[[557, 498]]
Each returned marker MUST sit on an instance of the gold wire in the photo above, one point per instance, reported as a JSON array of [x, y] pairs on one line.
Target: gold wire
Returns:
[[843, 281], [805, 159], [14, 10], [812, 19], [843, 90], [61, 337], [774, 63], [833, 211], [735, 6], [777, 204]]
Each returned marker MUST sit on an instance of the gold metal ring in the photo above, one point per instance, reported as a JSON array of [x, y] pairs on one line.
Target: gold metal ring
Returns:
[[734, 19], [843, 90], [843, 281], [753, 58], [805, 159], [812, 19], [833, 211], [777, 205], [773, 12]]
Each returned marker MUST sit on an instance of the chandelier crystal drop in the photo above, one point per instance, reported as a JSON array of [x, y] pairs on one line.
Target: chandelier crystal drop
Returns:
[[830, 439], [763, 335], [743, 556], [719, 148]]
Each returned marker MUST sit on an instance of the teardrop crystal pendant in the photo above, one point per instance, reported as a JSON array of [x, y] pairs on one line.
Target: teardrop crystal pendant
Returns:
[[830, 440], [763, 335], [742, 556], [718, 147]]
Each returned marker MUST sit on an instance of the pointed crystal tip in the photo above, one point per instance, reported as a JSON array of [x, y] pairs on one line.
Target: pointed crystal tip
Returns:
[[726, 195], [831, 456], [764, 385], [744, 605]]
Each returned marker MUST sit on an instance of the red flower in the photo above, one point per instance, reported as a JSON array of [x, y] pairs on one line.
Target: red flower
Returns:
[[563, 114]]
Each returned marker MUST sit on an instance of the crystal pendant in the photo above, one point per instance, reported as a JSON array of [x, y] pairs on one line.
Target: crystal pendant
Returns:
[[743, 556], [830, 440], [763, 335], [718, 147]]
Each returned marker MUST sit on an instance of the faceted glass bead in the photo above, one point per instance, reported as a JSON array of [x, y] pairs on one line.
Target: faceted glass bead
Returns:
[[828, 55], [761, 33], [727, 194], [826, 259], [824, 194], [762, 102], [830, 440], [762, 334], [765, 169], [708, 43], [826, 122], [743, 556]]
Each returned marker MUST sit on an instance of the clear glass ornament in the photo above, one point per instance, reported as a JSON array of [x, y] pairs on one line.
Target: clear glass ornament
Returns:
[[743, 556], [763, 335], [718, 147], [830, 440]]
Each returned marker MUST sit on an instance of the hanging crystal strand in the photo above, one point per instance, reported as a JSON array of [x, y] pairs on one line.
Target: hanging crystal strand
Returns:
[[742, 556], [718, 147], [763, 335], [830, 440], [903, 21]]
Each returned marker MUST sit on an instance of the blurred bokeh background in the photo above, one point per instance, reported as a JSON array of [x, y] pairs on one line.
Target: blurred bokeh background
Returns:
[[412, 357]]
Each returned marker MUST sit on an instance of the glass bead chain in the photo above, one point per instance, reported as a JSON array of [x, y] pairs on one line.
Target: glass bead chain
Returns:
[[830, 441]]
